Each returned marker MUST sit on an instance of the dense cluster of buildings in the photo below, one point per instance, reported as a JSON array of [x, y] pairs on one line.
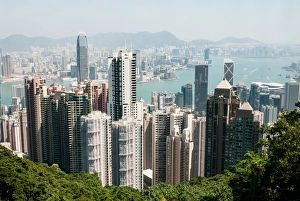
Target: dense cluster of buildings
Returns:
[[104, 129]]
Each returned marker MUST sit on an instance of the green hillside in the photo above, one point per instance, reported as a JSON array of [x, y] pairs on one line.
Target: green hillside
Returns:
[[271, 175]]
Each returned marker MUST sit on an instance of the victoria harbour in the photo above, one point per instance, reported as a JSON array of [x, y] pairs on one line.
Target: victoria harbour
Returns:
[[246, 70]]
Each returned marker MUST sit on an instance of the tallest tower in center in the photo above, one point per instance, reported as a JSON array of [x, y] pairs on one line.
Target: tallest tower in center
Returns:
[[82, 58]]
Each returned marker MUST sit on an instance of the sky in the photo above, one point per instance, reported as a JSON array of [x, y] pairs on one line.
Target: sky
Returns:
[[269, 21]]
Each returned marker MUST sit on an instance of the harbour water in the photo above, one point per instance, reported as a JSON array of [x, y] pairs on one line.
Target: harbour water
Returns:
[[246, 70]]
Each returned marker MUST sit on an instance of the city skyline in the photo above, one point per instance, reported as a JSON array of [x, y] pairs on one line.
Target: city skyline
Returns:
[[266, 21]]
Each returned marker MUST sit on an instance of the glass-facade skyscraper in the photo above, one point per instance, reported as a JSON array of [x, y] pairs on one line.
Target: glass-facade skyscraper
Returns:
[[201, 88], [82, 58]]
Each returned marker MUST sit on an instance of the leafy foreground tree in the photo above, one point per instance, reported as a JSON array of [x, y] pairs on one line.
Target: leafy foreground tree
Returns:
[[275, 173]]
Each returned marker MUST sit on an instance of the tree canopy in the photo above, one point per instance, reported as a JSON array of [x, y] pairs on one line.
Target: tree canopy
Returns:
[[273, 174]]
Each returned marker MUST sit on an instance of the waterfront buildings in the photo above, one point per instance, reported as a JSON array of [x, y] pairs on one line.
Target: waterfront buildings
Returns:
[[229, 70], [82, 58], [291, 95], [201, 89]]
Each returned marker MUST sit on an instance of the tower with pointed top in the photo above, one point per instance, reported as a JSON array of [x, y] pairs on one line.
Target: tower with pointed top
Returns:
[[229, 70], [220, 109], [82, 57]]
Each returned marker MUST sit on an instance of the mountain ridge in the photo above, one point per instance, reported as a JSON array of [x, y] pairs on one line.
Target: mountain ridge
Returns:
[[111, 40]]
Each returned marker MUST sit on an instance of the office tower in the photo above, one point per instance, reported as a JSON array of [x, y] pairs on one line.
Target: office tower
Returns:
[[201, 89], [270, 113], [33, 87], [71, 106], [198, 156], [220, 109], [122, 84], [178, 156], [127, 152], [228, 70], [242, 134], [291, 95], [179, 99], [187, 91], [102, 97], [96, 145], [206, 54], [82, 58], [18, 91], [64, 63], [6, 66]]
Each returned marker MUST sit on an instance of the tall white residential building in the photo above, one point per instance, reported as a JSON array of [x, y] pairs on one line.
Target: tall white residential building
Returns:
[[96, 145], [122, 84], [198, 161], [127, 151], [162, 123], [291, 95], [229, 70]]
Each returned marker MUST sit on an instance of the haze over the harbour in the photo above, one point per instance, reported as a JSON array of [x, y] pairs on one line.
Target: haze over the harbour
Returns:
[[269, 21]]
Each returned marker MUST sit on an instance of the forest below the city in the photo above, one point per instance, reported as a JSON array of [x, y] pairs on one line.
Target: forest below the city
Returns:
[[272, 174]]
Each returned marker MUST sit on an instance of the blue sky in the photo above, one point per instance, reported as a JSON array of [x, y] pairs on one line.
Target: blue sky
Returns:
[[270, 21]]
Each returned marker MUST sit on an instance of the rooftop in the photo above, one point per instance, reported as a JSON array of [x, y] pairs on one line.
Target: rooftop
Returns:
[[224, 84]]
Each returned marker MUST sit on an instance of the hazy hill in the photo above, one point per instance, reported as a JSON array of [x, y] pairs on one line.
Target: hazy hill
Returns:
[[20, 42], [102, 40]]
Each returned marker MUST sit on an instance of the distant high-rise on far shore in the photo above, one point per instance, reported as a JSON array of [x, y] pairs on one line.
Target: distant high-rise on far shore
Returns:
[[82, 58]]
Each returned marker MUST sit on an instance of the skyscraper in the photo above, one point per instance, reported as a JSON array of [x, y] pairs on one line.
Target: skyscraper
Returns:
[[82, 58], [187, 91], [228, 70], [122, 84], [201, 89], [220, 109]]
